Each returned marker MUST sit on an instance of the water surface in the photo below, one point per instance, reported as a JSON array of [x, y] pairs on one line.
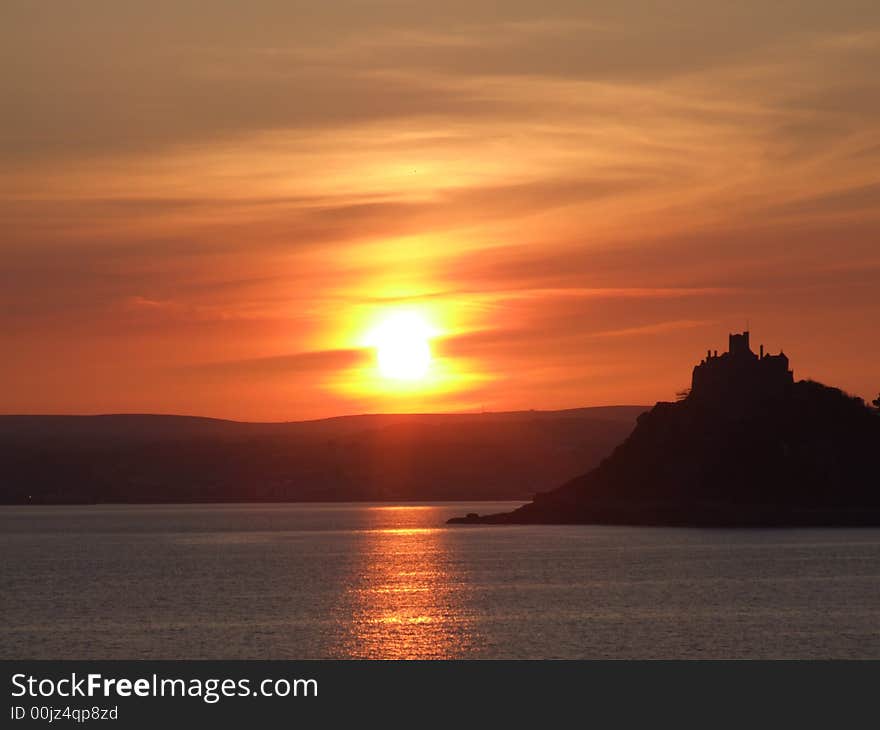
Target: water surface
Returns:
[[383, 581]]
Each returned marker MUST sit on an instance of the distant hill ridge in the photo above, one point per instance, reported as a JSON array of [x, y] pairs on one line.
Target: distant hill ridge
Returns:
[[166, 458], [747, 446]]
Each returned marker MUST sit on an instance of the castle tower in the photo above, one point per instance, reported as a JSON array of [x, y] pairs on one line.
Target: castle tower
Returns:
[[738, 345]]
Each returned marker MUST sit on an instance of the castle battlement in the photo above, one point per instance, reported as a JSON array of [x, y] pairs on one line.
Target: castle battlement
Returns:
[[739, 371]]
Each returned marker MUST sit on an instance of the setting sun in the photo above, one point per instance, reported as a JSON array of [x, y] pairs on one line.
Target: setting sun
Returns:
[[402, 344]]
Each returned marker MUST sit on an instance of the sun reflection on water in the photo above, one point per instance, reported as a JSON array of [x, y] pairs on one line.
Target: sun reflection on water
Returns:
[[406, 600]]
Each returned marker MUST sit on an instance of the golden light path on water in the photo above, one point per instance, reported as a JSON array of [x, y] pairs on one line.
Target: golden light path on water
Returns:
[[407, 598]]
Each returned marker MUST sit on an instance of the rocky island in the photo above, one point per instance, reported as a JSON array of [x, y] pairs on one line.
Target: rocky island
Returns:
[[747, 445]]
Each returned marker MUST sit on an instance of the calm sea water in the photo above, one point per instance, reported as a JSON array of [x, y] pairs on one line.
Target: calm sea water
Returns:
[[381, 581]]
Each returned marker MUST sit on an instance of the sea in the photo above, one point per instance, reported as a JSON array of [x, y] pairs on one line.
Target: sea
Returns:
[[393, 581]]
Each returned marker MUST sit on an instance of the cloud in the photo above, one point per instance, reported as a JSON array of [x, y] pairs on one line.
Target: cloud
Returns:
[[216, 76], [277, 366], [860, 199]]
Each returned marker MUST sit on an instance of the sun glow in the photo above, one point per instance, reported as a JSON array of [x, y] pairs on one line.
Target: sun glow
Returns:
[[403, 347], [406, 362]]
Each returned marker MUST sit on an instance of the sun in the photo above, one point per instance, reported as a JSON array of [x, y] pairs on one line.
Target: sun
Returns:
[[402, 341]]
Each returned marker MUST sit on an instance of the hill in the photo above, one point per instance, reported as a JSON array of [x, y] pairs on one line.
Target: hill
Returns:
[[747, 446], [156, 458]]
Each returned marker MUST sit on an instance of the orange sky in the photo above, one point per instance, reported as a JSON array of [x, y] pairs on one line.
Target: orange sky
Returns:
[[205, 207]]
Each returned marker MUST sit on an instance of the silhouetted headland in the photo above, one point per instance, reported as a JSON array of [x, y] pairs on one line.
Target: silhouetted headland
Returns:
[[147, 458], [746, 446]]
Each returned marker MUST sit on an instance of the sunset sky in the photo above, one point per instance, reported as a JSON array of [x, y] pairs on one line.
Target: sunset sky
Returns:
[[208, 207]]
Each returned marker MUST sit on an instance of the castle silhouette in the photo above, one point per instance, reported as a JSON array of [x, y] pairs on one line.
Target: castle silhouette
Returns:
[[748, 446], [740, 372]]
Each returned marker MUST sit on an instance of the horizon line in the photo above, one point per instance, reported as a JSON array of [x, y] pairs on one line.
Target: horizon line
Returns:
[[373, 414]]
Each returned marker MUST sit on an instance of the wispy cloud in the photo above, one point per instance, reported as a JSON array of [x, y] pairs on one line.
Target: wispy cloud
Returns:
[[317, 361]]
